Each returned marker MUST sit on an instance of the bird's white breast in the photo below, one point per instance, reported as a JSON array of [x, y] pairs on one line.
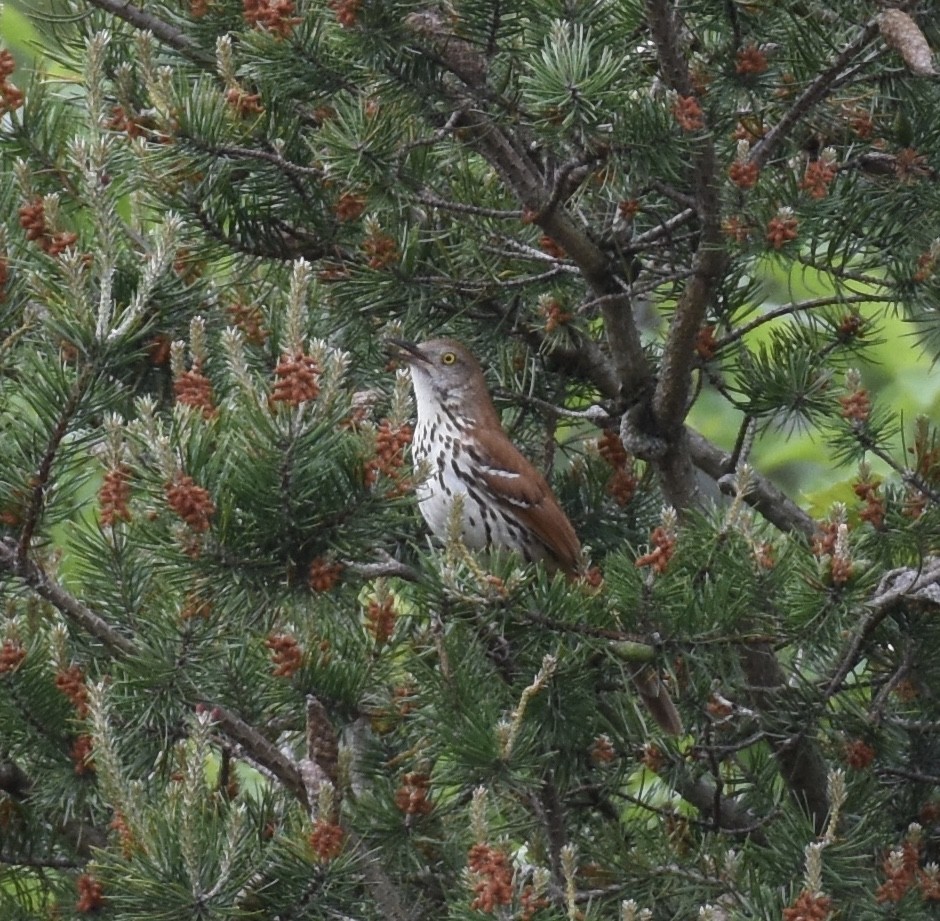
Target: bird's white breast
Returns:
[[440, 453]]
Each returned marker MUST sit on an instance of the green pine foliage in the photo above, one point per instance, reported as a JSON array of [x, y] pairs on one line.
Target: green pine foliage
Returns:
[[239, 680]]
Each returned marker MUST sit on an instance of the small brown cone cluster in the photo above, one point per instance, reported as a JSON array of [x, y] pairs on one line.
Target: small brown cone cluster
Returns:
[[250, 320], [114, 495], [81, 755], [324, 574], [856, 406], [125, 836], [287, 655], [349, 206], [380, 250], [750, 60], [126, 122], [193, 388], [347, 11], [297, 379], [663, 547], [492, 875], [858, 754], [33, 221], [867, 488], [71, 682], [809, 906], [327, 839], [744, 174], [904, 873], [276, 16], [623, 481], [190, 502], [818, 177], [243, 103], [411, 797], [90, 894], [782, 228], [602, 750], [390, 443], [10, 97], [12, 653], [688, 113], [380, 619]]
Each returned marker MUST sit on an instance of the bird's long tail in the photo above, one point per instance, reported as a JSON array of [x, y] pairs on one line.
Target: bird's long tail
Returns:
[[656, 698]]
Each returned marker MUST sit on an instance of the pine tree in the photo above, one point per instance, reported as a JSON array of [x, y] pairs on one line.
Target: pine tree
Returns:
[[237, 678]]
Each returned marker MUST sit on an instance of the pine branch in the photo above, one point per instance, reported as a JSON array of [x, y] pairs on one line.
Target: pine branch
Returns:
[[292, 242], [664, 229], [255, 745], [505, 152], [800, 307], [671, 398], [584, 360], [817, 90], [762, 495], [895, 588], [236, 152], [56, 863], [383, 568], [33, 575], [800, 762], [914, 776], [260, 750], [40, 480], [547, 806], [905, 474], [18, 785], [429, 198], [165, 32]]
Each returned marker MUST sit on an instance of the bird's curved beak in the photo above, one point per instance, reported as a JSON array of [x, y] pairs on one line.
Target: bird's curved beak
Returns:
[[406, 351]]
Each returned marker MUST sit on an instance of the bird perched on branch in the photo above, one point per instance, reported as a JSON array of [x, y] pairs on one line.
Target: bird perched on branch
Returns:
[[504, 501]]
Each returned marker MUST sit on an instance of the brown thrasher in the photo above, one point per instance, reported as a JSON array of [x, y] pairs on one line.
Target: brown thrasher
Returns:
[[505, 502]]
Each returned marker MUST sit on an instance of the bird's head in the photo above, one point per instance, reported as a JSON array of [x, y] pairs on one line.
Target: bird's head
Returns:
[[444, 373]]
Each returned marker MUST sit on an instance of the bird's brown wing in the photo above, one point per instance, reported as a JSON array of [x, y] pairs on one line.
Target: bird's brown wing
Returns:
[[511, 478]]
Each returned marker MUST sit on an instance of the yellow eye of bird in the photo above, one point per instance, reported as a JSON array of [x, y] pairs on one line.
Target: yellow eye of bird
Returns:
[[448, 358]]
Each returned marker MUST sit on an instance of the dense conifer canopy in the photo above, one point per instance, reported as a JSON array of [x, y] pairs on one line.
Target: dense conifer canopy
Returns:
[[696, 246]]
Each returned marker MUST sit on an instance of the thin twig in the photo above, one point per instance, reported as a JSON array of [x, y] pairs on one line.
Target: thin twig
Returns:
[[561, 187], [764, 149], [251, 153], [386, 567], [762, 495], [56, 863], [510, 158], [664, 228], [260, 750], [908, 476], [878, 608], [800, 307], [476, 287], [915, 776], [47, 588], [876, 710], [843, 273], [164, 31], [40, 480], [428, 198]]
